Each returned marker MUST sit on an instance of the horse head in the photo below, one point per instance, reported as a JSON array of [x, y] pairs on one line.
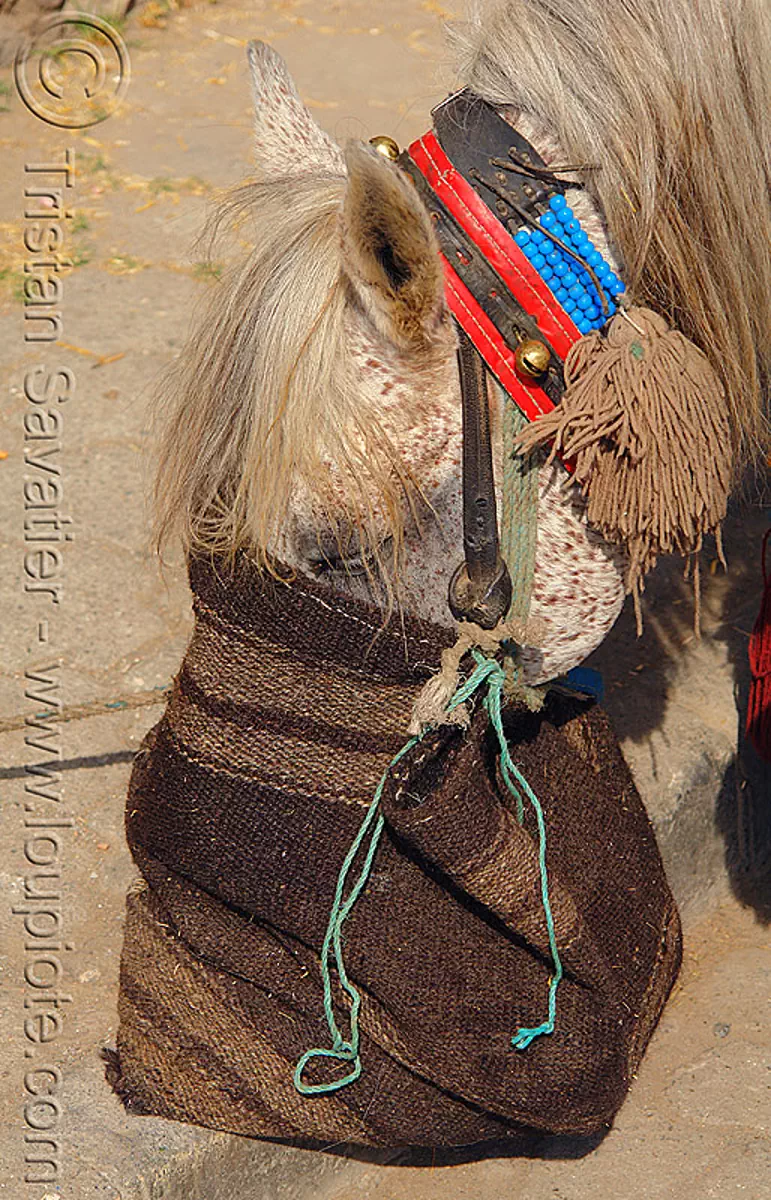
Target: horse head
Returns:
[[314, 416], [313, 420]]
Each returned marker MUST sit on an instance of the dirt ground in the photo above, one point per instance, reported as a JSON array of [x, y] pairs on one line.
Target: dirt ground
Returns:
[[698, 1120]]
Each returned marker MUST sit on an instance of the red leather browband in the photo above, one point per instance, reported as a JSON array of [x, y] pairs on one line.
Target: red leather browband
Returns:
[[521, 279]]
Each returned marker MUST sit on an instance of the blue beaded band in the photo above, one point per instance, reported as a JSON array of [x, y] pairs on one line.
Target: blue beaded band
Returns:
[[571, 284]]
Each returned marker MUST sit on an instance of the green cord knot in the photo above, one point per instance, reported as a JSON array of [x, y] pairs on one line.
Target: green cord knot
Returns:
[[490, 676]]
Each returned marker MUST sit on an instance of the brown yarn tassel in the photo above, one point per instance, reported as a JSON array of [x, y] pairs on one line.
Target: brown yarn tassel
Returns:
[[644, 420]]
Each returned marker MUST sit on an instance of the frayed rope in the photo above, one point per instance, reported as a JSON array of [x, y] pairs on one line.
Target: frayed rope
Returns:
[[436, 706]]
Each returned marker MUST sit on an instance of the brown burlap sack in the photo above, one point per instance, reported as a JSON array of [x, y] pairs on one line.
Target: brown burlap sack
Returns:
[[243, 804]]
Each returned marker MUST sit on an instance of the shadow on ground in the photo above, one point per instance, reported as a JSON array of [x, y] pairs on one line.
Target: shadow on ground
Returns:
[[541, 1146], [743, 809], [639, 675]]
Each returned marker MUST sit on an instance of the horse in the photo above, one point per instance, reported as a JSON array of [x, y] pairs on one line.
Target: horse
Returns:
[[311, 449], [314, 416]]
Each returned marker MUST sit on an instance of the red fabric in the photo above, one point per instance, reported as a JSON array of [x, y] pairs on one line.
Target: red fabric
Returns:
[[759, 705], [521, 279], [497, 245], [499, 357]]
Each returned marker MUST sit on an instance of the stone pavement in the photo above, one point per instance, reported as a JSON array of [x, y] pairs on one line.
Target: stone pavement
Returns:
[[697, 1121]]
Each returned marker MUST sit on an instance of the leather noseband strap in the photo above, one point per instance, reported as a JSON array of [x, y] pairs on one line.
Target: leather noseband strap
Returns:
[[480, 589]]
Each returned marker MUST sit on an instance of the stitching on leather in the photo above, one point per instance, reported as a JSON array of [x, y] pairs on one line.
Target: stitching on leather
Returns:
[[483, 333], [486, 234]]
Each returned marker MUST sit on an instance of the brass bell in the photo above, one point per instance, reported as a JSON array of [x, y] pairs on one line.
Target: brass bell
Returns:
[[386, 146], [532, 358]]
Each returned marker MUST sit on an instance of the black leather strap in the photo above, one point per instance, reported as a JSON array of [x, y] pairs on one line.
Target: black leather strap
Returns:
[[480, 589], [473, 136], [488, 289]]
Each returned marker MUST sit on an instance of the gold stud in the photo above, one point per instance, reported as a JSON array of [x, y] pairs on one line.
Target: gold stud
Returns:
[[386, 146], [532, 358]]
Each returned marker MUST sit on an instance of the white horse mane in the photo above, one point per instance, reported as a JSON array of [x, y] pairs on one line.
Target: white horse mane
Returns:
[[666, 104]]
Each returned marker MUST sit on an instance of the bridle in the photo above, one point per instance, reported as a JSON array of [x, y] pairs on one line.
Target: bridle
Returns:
[[482, 184]]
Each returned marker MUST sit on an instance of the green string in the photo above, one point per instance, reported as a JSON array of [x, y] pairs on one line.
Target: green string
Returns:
[[518, 543], [346, 1051], [524, 1036], [491, 673]]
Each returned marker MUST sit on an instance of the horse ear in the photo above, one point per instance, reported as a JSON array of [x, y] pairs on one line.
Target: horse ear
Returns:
[[287, 141], [390, 251]]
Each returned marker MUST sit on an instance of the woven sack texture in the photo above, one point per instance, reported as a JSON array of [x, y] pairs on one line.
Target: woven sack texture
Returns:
[[243, 803]]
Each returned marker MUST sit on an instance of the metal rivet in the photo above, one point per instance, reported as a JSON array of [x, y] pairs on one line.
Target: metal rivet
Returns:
[[386, 146]]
